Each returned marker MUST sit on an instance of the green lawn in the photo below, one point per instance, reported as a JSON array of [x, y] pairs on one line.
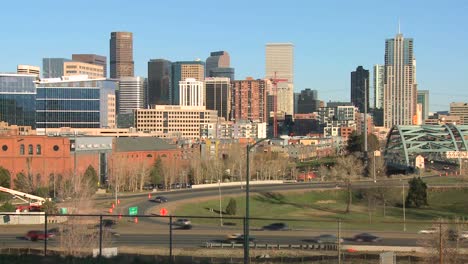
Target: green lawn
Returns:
[[323, 208]]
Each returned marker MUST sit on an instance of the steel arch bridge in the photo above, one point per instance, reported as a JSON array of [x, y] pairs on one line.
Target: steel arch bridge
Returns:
[[405, 143]]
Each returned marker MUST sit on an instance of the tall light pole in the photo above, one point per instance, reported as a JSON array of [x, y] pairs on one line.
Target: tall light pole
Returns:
[[404, 206], [247, 202]]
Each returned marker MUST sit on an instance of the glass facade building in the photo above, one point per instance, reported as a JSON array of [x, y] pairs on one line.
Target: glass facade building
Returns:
[[182, 70], [75, 104], [159, 82], [53, 67], [18, 99]]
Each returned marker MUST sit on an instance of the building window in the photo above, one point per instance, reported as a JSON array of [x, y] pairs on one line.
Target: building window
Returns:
[[149, 156], [30, 149], [4, 147], [56, 148], [22, 149], [38, 150]]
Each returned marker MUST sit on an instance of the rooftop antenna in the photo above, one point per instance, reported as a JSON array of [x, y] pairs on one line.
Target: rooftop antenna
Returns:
[[399, 26]]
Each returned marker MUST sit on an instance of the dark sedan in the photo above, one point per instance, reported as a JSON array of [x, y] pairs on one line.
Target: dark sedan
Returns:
[[160, 199], [366, 237], [275, 227]]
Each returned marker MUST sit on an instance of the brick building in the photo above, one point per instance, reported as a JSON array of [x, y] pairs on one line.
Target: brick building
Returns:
[[249, 100]]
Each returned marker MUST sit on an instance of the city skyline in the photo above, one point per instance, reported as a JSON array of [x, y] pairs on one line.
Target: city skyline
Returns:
[[325, 52]]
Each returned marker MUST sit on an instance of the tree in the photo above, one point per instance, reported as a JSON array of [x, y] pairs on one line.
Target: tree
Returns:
[[231, 208], [91, 178], [356, 143], [7, 207], [5, 178], [24, 183], [417, 193], [49, 207], [348, 168], [156, 171]]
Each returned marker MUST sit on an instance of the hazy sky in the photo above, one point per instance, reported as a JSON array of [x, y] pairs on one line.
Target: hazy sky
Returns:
[[331, 37]]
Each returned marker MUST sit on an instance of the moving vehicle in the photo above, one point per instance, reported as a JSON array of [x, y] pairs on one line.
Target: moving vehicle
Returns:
[[463, 235], [431, 230], [327, 239], [182, 223], [366, 237], [275, 227], [35, 235], [238, 238], [160, 199]]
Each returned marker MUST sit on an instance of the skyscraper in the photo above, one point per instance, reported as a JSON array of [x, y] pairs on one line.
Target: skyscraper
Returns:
[[218, 95], [307, 102], [92, 59], [159, 82], [400, 82], [182, 70], [379, 74], [249, 100], [28, 69], [53, 67], [360, 88], [460, 109], [93, 71], [218, 65], [191, 93], [121, 55], [279, 61], [131, 94], [18, 99], [423, 99]]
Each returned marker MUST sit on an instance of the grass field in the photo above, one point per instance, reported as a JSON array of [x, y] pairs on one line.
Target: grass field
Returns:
[[323, 208]]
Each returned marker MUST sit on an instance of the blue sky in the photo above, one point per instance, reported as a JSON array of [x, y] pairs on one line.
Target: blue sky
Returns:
[[331, 37]]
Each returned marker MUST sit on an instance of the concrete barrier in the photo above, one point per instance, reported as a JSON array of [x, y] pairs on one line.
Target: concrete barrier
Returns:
[[224, 184], [33, 218]]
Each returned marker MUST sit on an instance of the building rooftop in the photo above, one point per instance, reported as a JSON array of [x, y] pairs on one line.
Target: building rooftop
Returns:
[[141, 144]]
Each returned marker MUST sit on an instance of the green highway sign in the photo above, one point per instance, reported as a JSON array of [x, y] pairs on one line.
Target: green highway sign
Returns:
[[133, 210]]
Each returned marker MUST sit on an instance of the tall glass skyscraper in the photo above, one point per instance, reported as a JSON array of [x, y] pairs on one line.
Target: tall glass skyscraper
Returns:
[[400, 82], [53, 67], [360, 88], [159, 82], [18, 99], [218, 65]]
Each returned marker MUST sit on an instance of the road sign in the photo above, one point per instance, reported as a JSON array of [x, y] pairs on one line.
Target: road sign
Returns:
[[133, 210], [457, 154], [163, 211]]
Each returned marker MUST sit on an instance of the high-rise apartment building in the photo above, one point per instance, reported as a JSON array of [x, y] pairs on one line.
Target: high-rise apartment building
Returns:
[[423, 99], [182, 70], [218, 95], [131, 94], [53, 67], [249, 100], [121, 55], [378, 83], [279, 63], [360, 88], [307, 102], [218, 65], [93, 71], [28, 69], [92, 59], [400, 87], [461, 110], [75, 102], [159, 82], [18, 99], [191, 93]]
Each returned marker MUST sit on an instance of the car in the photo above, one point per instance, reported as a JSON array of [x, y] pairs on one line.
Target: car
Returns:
[[160, 199], [366, 237], [431, 230], [35, 235], [149, 187], [275, 227], [328, 239], [446, 167], [182, 223], [238, 238], [463, 235]]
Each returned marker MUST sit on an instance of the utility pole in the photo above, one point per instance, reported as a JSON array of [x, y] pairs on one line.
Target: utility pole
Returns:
[[365, 123], [404, 206]]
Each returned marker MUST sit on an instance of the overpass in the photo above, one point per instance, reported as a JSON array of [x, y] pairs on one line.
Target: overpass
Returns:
[[405, 143]]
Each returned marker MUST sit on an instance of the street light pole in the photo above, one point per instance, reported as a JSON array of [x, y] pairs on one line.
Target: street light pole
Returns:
[[404, 206], [247, 202]]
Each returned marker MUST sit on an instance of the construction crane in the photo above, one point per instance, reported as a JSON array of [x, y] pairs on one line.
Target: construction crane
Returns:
[[33, 200], [275, 82]]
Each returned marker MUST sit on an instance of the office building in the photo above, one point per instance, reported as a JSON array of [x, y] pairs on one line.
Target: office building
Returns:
[[218, 95], [338, 119], [182, 70], [360, 88], [307, 102], [53, 67], [279, 64], [249, 100], [296, 101], [379, 78], [223, 72], [174, 121], [423, 99], [93, 71], [218, 65], [121, 55], [234, 130], [28, 69], [191, 93], [400, 87], [76, 102], [461, 110], [159, 82], [131, 94], [18, 99], [92, 59]]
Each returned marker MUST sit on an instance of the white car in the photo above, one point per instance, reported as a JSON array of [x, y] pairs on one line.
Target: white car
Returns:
[[431, 230]]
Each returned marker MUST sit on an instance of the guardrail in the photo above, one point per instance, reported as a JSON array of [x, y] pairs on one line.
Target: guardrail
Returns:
[[326, 247]]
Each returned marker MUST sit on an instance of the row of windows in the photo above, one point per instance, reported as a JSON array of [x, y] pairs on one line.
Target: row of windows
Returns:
[[68, 93], [67, 104]]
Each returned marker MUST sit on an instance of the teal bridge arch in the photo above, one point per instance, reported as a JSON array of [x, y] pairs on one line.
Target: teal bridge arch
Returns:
[[405, 143]]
